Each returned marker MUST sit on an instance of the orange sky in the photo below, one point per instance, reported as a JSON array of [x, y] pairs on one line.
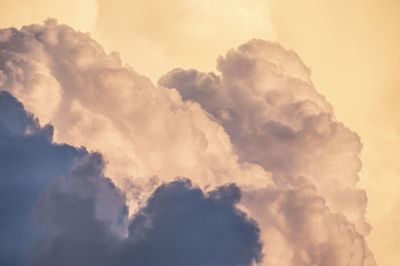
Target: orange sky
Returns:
[[351, 47]]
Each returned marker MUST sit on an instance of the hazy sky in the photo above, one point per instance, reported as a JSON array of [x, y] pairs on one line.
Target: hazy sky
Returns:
[[351, 48]]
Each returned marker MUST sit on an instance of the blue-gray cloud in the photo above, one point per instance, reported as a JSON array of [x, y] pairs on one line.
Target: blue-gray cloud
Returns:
[[184, 226], [180, 224], [28, 162]]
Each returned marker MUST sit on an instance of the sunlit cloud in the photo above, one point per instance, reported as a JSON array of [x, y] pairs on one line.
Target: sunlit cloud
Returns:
[[257, 122]]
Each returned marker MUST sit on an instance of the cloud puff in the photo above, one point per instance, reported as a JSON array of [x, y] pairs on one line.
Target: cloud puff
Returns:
[[180, 225], [264, 99], [83, 216], [298, 228], [28, 161], [184, 226]]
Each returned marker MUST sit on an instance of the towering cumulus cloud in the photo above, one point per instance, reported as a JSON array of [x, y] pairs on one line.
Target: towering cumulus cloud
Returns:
[[256, 136], [266, 102]]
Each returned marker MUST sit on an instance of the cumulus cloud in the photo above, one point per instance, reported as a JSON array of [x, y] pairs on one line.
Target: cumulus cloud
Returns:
[[298, 228], [28, 161], [259, 122], [79, 213], [96, 102], [80, 217], [266, 102], [180, 225], [184, 226]]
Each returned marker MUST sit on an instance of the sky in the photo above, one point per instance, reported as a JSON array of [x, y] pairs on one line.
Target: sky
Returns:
[[304, 125]]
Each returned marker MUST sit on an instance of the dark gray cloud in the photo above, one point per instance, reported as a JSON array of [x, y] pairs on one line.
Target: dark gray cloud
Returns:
[[83, 215], [28, 161], [183, 226], [180, 224]]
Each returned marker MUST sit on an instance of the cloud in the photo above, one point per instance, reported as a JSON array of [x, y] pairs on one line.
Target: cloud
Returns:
[[298, 228], [96, 102], [266, 102], [184, 226], [80, 217], [264, 99], [79, 214], [258, 123], [28, 161], [180, 225]]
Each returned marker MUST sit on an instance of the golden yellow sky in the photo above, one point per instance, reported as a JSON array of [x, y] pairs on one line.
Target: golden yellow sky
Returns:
[[351, 47]]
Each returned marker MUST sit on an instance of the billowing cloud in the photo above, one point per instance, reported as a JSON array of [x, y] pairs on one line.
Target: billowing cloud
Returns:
[[183, 226], [264, 99], [179, 225], [266, 102], [298, 228], [258, 123], [28, 162], [53, 215], [96, 102], [78, 214]]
